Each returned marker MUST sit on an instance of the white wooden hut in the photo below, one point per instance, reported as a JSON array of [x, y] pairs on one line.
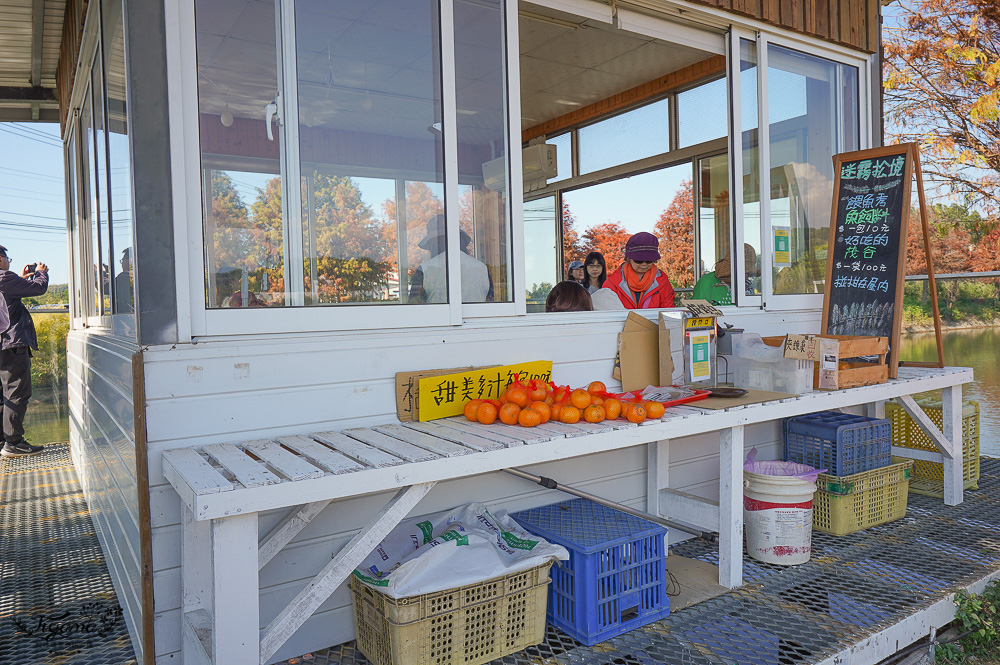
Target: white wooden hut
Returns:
[[255, 183]]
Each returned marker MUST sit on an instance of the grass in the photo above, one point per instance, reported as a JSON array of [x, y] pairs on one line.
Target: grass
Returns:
[[971, 302]]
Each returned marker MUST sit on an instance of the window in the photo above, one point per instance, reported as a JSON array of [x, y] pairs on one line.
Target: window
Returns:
[[696, 121], [641, 132], [541, 272], [564, 156], [812, 115], [119, 169]]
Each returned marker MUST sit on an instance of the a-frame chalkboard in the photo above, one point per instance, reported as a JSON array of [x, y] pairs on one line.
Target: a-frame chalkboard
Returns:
[[866, 257]]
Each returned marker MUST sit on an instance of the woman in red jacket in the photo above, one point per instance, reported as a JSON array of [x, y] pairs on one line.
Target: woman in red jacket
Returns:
[[638, 282]]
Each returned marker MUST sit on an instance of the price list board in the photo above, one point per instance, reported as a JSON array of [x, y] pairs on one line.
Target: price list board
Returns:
[[867, 251]]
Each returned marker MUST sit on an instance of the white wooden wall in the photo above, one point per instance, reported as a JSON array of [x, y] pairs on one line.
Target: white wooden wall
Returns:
[[102, 441], [237, 389]]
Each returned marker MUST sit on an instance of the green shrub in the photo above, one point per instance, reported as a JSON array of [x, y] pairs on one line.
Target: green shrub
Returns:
[[978, 619]]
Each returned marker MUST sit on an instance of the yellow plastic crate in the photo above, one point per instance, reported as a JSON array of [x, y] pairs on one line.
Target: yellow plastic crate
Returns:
[[928, 477], [846, 504], [468, 625]]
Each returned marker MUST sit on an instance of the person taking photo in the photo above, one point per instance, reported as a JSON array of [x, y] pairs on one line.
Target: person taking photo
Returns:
[[16, 343]]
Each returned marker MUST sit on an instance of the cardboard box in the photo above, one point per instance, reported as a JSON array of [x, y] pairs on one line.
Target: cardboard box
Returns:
[[830, 351], [650, 353]]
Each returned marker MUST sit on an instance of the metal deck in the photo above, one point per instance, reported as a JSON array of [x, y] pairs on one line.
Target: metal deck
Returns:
[[57, 603]]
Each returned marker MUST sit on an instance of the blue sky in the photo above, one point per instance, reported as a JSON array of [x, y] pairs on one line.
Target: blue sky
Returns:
[[32, 197]]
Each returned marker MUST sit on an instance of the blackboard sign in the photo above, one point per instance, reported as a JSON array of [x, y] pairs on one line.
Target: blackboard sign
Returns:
[[866, 259]]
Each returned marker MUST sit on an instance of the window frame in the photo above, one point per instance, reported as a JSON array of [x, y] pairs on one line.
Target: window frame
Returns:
[[768, 299]]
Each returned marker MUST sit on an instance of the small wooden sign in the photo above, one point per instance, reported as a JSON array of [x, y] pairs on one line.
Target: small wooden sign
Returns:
[[701, 308], [445, 395]]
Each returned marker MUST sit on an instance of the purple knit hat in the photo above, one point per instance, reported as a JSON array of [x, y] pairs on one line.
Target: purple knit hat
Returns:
[[643, 247]]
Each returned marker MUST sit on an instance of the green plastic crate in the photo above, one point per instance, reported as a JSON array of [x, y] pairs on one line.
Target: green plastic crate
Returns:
[[846, 504]]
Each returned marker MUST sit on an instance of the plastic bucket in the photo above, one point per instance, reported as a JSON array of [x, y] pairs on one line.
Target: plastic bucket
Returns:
[[777, 516]]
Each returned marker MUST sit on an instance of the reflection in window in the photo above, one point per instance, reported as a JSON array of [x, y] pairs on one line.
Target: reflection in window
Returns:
[[482, 150], [120, 170], [101, 227], [244, 224], [564, 156], [370, 146], [813, 114], [542, 258], [642, 132], [701, 113], [750, 143]]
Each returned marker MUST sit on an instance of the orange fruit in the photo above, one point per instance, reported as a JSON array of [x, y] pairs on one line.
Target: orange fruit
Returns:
[[559, 393], [597, 401], [518, 396], [550, 400], [503, 398], [538, 393], [580, 398], [554, 412], [637, 413], [529, 418], [593, 414], [543, 410], [486, 413], [597, 387], [495, 402], [470, 409], [508, 413], [569, 414], [612, 408], [655, 409]]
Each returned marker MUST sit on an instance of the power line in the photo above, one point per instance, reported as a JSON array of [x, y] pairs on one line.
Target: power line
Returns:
[[28, 137], [27, 174], [34, 227], [24, 214], [31, 130]]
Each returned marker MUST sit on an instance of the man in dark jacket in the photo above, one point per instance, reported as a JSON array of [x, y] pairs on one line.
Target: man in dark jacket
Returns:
[[16, 343]]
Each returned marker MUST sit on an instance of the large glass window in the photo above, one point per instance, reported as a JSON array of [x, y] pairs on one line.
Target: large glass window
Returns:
[[482, 150], [541, 247], [641, 132], [812, 115], [120, 219], [243, 214], [698, 116], [564, 156], [102, 233]]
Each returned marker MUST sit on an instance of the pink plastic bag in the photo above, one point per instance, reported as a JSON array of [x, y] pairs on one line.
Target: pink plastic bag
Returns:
[[780, 468]]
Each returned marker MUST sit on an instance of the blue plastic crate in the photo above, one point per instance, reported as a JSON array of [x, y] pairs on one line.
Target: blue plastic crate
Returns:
[[614, 580], [839, 442]]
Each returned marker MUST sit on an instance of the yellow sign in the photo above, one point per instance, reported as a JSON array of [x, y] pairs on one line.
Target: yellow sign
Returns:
[[782, 249], [700, 368], [699, 323], [445, 395]]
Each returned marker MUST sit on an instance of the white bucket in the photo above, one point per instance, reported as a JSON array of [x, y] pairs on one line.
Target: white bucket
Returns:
[[777, 518]]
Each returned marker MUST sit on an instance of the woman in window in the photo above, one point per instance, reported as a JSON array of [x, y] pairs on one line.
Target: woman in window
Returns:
[[638, 282], [595, 272]]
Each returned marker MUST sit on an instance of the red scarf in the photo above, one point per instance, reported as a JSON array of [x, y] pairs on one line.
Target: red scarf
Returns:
[[637, 283]]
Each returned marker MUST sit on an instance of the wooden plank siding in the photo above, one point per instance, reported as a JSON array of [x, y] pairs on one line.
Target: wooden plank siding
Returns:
[[69, 54], [715, 65], [853, 23]]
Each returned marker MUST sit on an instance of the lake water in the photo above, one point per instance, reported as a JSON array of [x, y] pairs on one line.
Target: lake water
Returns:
[[978, 348]]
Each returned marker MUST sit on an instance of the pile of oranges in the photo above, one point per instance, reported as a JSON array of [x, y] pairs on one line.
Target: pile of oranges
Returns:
[[539, 402]]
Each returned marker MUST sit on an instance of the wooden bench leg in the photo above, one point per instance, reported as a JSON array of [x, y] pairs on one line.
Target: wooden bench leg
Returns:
[[236, 589], [657, 473], [953, 466], [731, 507]]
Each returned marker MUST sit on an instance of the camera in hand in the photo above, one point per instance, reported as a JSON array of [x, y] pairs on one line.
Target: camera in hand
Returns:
[[32, 266]]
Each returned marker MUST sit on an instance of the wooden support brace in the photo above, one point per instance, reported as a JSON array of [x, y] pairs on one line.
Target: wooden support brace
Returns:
[[926, 424], [657, 473], [334, 573], [917, 453], [690, 509], [954, 471], [731, 507], [290, 527]]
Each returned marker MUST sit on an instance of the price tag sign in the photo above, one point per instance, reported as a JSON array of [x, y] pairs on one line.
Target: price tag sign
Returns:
[[445, 395]]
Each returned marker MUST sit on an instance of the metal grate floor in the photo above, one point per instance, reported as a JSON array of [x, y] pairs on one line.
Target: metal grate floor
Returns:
[[57, 603], [853, 587]]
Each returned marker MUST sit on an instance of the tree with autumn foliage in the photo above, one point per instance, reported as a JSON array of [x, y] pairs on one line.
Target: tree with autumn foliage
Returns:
[[609, 239], [942, 67], [573, 248], [675, 230], [950, 251], [421, 204]]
